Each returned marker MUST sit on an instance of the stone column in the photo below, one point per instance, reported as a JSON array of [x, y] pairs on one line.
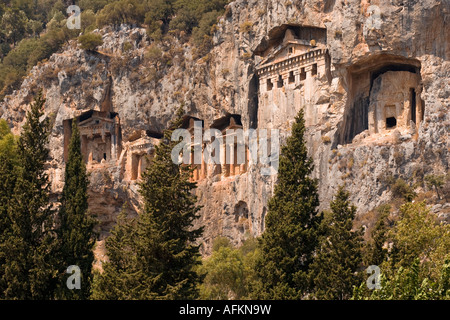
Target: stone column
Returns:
[[84, 148], [285, 78], [113, 146], [237, 166], [404, 115], [195, 173], [308, 83], [128, 162], [297, 77], [372, 119], [242, 165], [321, 68], [230, 159], [308, 70], [379, 117], [139, 168], [223, 161], [262, 84], [203, 165]]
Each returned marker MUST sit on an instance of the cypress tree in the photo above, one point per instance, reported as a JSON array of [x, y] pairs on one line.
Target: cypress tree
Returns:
[[291, 236], [29, 271], [118, 279], [76, 231], [166, 250], [339, 254], [8, 177]]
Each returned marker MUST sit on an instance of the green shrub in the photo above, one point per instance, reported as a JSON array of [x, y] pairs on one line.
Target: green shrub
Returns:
[[436, 182], [94, 5], [220, 242], [228, 271], [90, 41], [88, 21], [127, 46], [401, 189], [205, 26], [122, 11], [326, 139], [416, 266]]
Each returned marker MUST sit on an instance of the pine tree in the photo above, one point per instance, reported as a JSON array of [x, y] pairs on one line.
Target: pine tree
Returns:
[[118, 280], [339, 254], [166, 250], [291, 236], [76, 231], [29, 272]]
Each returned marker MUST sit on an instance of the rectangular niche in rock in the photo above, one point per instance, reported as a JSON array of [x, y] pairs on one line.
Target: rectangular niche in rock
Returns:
[[384, 95]]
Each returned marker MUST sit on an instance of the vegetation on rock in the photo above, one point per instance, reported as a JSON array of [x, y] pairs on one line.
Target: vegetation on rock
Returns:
[[90, 41], [31, 31]]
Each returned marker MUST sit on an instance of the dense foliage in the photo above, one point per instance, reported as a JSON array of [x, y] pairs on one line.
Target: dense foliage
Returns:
[[29, 242], [90, 41], [37, 242], [418, 264], [31, 31], [8, 174], [338, 256]]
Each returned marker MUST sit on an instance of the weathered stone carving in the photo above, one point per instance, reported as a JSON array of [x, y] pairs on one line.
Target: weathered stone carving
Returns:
[[137, 155], [288, 70], [232, 152], [385, 96], [100, 136], [394, 102]]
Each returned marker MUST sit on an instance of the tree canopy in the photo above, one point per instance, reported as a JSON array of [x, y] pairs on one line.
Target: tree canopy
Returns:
[[292, 224]]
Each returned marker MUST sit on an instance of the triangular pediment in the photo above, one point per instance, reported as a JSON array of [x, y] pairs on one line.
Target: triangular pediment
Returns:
[[281, 52], [289, 46], [95, 120]]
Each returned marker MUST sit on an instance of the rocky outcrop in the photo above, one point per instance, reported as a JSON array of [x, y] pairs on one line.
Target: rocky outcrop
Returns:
[[367, 45]]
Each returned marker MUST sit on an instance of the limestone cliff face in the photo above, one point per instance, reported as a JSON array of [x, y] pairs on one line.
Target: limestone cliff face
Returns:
[[372, 77]]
